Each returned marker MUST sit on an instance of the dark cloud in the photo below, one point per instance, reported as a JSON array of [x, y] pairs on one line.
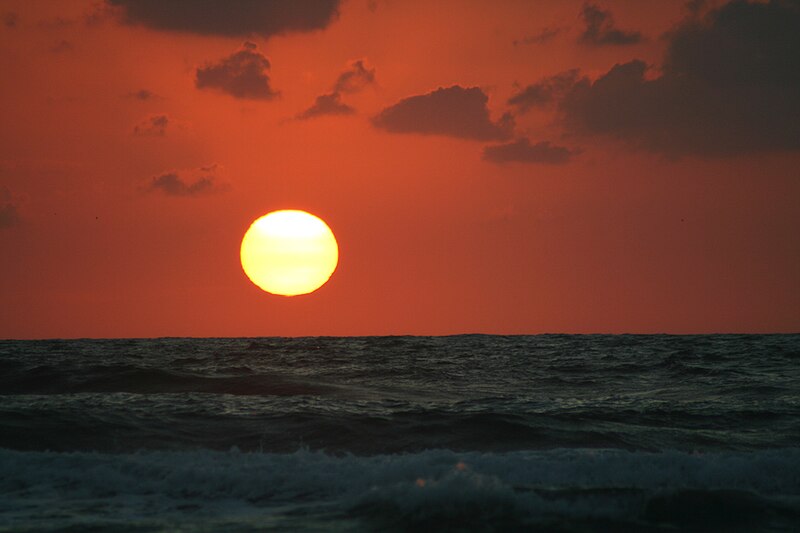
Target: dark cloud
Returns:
[[741, 42], [327, 104], [143, 94], [242, 75], [695, 6], [172, 184], [9, 212], [8, 215], [522, 151], [154, 125], [454, 111], [729, 84], [10, 19], [544, 36], [56, 23], [62, 46], [544, 92], [600, 29], [230, 17], [98, 13], [355, 78]]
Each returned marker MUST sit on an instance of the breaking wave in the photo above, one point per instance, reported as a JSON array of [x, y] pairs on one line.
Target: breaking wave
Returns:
[[438, 489]]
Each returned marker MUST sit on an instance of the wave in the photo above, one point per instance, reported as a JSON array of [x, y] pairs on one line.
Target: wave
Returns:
[[125, 422], [50, 379], [454, 367], [434, 489]]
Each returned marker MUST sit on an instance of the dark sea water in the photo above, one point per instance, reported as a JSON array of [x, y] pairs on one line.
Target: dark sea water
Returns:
[[464, 433]]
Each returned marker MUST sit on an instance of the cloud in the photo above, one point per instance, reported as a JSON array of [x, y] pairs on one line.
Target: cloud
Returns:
[[8, 215], [454, 112], [729, 84], [143, 95], [155, 125], [695, 6], [10, 19], [354, 78], [544, 36], [600, 29], [230, 18], [740, 42], [98, 13], [327, 104], [172, 184], [56, 23], [189, 183], [522, 151], [544, 92], [62, 46], [243, 74], [9, 212]]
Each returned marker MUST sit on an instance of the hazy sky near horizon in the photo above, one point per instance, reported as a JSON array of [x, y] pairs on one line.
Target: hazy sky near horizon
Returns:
[[494, 167]]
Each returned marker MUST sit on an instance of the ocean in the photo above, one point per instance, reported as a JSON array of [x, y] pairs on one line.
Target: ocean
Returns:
[[555, 433]]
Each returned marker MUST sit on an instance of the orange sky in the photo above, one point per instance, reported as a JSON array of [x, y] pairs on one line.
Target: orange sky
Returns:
[[664, 202]]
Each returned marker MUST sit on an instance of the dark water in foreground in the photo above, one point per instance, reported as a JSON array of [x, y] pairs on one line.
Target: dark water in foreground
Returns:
[[473, 432]]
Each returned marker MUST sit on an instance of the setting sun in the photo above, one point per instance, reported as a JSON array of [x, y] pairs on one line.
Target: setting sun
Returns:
[[289, 252]]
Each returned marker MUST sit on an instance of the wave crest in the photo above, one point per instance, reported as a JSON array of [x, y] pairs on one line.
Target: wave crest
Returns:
[[432, 489]]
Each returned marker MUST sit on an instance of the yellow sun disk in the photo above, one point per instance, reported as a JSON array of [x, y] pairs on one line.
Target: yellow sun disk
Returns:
[[289, 253]]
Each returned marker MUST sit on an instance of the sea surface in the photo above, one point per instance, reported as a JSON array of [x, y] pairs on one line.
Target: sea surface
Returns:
[[462, 433]]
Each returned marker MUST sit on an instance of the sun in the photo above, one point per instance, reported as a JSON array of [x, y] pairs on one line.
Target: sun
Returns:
[[289, 252]]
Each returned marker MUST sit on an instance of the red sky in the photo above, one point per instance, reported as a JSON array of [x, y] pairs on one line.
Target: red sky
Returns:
[[510, 167]]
